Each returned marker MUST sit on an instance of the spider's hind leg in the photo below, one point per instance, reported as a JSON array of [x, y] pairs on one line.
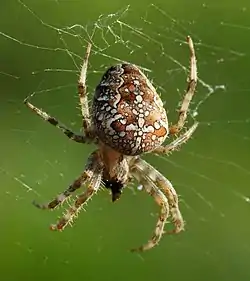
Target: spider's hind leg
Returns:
[[82, 92], [192, 81], [175, 129], [53, 121], [175, 144]]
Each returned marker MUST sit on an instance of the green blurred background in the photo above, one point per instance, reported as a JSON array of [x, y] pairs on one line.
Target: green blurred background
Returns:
[[41, 45]]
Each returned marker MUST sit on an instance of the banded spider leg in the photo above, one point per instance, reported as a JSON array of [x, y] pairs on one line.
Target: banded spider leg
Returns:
[[192, 81], [84, 107], [160, 199], [149, 173], [91, 176]]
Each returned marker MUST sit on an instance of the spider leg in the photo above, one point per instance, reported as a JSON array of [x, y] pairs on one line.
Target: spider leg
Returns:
[[160, 199], [73, 210], [45, 116], [82, 92], [91, 169], [177, 142], [192, 81], [167, 188]]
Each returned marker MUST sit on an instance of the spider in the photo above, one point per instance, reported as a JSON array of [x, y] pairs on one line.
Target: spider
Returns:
[[127, 119]]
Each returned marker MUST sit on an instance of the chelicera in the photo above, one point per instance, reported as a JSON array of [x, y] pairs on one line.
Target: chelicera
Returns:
[[126, 120]]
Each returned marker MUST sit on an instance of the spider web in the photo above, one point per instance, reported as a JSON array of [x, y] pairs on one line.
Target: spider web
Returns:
[[210, 173]]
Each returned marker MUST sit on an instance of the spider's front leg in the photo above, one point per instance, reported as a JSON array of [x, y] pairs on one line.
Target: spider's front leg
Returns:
[[91, 176], [151, 174], [192, 81], [161, 200], [59, 199], [81, 199]]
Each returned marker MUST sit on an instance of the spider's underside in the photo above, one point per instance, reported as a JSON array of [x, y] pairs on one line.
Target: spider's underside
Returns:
[[127, 119]]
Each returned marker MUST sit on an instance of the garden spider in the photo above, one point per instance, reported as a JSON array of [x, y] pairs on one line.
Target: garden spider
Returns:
[[127, 119]]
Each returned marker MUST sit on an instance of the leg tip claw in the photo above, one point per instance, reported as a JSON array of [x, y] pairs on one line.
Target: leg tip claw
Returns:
[[53, 227], [37, 205]]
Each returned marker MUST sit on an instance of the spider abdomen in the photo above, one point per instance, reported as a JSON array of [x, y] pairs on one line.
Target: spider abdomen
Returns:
[[128, 115]]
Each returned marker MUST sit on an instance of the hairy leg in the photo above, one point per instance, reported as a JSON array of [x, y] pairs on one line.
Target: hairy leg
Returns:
[[92, 168], [161, 200], [174, 145], [45, 116], [82, 199], [82, 92], [167, 188], [192, 81]]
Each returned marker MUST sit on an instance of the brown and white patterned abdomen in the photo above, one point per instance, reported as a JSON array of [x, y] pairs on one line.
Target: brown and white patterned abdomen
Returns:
[[128, 115]]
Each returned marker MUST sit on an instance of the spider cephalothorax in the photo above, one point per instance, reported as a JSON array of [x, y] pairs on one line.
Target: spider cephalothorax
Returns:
[[127, 119]]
